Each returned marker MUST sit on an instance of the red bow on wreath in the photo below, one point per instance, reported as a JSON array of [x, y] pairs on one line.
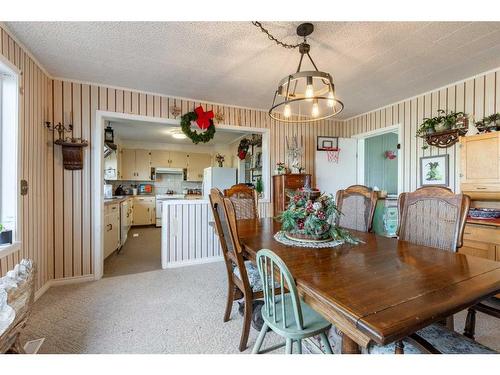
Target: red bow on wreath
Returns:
[[204, 118]]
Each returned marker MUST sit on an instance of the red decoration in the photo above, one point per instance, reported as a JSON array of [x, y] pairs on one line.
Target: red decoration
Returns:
[[242, 154], [390, 155], [204, 118]]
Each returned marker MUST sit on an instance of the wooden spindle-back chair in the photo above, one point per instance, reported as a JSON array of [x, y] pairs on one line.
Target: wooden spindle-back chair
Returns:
[[284, 312]]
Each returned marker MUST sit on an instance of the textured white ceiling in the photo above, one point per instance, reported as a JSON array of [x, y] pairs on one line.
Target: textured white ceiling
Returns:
[[373, 63], [152, 132]]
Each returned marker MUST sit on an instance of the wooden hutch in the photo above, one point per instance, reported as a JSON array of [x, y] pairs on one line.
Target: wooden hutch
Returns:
[[282, 183], [480, 179]]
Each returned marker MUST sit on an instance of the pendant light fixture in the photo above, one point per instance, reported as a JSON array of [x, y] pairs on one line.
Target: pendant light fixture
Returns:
[[303, 96]]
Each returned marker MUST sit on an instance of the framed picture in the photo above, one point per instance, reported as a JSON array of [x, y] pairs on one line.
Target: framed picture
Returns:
[[325, 143], [434, 170]]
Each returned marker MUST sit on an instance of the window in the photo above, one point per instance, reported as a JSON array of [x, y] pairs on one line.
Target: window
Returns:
[[9, 152]]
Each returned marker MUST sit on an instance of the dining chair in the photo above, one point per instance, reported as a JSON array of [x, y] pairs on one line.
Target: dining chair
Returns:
[[284, 312], [242, 276], [433, 216], [357, 205], [245, 201]]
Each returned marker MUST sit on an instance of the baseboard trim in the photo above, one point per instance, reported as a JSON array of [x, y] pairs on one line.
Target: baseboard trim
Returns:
[[65, 281], [195, 262], [40, 292]]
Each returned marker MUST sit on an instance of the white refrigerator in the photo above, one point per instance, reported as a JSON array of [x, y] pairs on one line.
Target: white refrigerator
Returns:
[[332, 176], [220, 178]]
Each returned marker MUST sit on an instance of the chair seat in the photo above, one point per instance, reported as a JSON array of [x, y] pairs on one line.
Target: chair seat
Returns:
[[313, 322], [442, 338], [253, 276]]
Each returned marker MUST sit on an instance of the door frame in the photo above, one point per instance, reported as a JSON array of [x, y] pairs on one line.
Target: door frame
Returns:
[[97, 174], [361, 152]]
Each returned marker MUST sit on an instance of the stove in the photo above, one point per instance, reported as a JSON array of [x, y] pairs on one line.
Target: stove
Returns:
[[159, 204]]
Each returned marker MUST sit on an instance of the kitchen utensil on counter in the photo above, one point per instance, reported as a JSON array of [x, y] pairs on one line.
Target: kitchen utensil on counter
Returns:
[[119, 190], [108, 190], [134, 191]]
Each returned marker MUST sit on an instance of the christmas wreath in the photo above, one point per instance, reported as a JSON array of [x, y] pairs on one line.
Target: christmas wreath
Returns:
[[204, 121]]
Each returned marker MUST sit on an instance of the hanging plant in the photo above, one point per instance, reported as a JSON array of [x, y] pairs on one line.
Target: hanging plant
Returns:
[[204, 121]]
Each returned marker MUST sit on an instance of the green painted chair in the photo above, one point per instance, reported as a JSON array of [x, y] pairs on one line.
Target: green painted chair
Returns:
[[283, 311]]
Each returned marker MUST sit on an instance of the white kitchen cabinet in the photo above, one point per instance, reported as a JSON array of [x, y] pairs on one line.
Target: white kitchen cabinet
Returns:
[[135, 165], [144, 211], [196, 164], [168, 159], [111, 228]]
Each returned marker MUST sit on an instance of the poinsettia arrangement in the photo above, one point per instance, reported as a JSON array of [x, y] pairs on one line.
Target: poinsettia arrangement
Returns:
[[313, 217]]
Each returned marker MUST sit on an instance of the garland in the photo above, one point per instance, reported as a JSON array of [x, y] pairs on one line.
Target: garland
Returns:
[[196, 137]]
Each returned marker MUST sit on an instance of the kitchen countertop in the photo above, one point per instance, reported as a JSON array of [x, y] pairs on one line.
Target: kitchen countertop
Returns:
[[117, 199], [488, 222]]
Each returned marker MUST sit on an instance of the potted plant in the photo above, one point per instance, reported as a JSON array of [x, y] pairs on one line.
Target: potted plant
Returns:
[[427, 127], [259, 187], [280, 168], [5, 235], [489, 123]]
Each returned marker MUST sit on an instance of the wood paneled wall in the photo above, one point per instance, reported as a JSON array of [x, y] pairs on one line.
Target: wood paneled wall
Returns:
[[36, 161], [478, 96]]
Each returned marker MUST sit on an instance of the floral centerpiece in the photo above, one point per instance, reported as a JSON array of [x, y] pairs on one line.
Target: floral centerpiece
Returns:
[[311, 216]]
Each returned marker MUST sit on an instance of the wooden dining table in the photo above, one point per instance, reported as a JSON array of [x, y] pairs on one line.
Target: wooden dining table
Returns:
[[382, 289]]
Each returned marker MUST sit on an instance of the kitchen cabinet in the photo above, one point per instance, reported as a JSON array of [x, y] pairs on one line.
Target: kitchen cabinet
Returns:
[[168, 159], [480, 166], [135, 165], [160, 158], [196, 164], [144, 211], [111, 228]]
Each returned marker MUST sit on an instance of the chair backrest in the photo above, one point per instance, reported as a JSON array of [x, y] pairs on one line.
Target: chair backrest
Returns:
[[245, 201], [357, 205], [276, 282], [433, 216], [239, 260], [221, 223]]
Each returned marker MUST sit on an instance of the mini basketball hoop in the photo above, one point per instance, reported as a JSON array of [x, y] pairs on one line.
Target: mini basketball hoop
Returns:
[[333, 154]]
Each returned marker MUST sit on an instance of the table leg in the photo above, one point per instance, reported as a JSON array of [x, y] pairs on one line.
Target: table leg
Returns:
[[349, 346]]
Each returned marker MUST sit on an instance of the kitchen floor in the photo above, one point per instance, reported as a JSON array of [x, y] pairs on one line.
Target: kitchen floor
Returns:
[[139, 254]]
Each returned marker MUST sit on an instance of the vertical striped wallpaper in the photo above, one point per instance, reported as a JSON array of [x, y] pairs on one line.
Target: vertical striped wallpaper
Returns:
[[57, 214], [36, 161], [478, 96]]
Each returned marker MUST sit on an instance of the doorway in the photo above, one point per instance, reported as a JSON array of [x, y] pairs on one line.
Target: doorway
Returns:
[[380, 161]]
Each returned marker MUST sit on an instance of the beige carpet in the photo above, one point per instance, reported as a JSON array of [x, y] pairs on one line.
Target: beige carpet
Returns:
[[139, 308]]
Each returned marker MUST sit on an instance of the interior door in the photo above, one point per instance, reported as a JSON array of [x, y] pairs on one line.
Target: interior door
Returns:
[[332, 176]]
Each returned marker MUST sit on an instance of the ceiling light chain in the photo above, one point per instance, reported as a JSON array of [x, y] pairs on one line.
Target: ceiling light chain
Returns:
[[271, 37]]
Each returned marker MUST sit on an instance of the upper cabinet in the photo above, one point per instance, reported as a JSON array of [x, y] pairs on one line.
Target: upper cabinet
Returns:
[[168, 159], [480, 165], [135, 165], [196, 164]]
